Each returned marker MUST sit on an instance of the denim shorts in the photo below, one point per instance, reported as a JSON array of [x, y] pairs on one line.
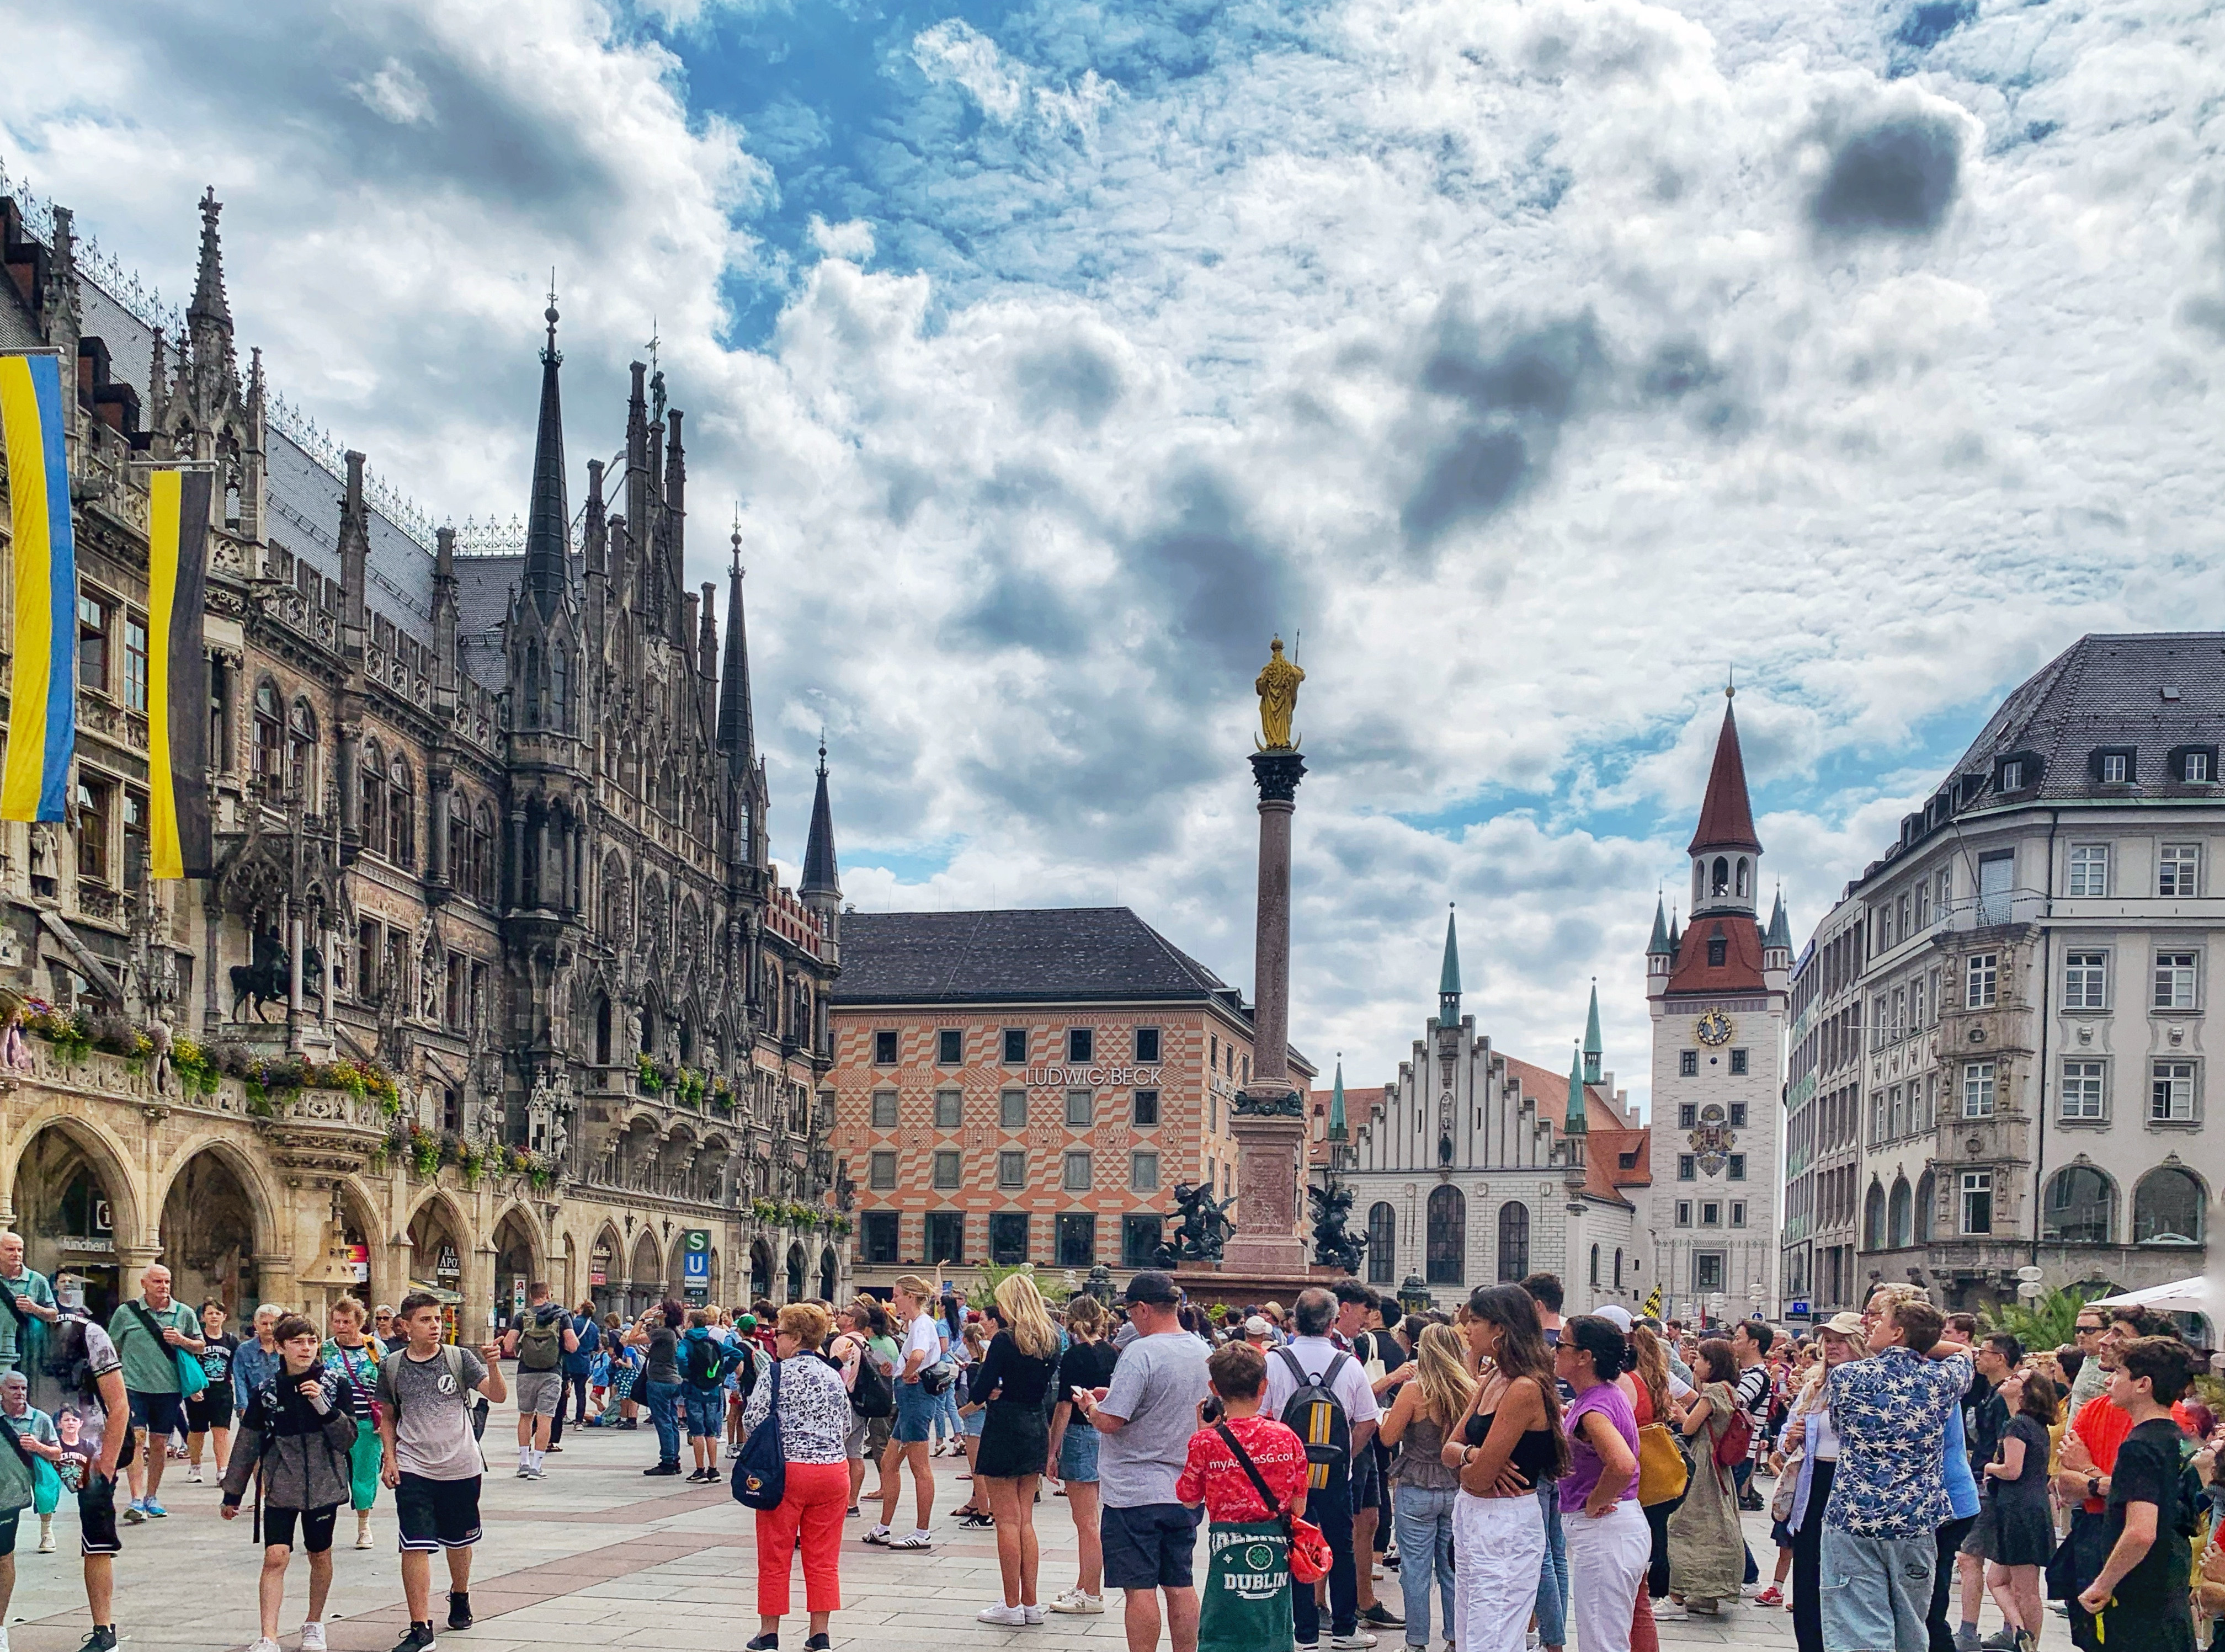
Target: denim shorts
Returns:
[[915, 1409], [1077, 1451], [1874, 1591], [705, 1410]]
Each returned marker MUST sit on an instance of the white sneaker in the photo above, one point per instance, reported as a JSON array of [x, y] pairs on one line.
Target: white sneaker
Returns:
[[264, 1643], [998, 1613], [1033, 1614], [1359, 1641], [1666, 1610], [312, 1638], [46, 1543], [1074, 1601], [193, 1475]]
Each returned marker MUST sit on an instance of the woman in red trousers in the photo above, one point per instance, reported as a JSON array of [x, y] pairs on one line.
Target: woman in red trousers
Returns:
[[815, 1425]]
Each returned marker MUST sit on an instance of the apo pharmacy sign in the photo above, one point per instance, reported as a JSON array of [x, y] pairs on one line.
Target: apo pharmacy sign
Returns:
[[1091, 1078]]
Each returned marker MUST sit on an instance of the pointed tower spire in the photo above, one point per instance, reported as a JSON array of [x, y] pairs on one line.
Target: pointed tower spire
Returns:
[[1594, 1048], [821, 884], [1725, 854], [1336, 1126], [1780, 927], [1448, 983], [1575, 1124], [736, 739], [548, 517], [209, 307], [1659, 944]]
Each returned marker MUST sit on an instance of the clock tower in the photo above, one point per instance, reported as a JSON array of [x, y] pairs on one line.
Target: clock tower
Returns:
[[1717, 990]]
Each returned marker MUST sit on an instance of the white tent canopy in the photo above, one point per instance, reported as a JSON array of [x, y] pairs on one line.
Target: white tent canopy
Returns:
[[2200, 1294]]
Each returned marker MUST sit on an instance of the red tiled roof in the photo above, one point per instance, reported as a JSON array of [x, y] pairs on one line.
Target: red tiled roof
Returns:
[[1725, 815], [1740, 970]]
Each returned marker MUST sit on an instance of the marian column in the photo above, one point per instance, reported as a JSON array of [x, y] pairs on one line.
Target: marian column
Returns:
[[1269, 1120]]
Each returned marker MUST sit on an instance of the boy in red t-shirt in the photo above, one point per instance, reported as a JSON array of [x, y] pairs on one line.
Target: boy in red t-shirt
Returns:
[[1247, 1604]]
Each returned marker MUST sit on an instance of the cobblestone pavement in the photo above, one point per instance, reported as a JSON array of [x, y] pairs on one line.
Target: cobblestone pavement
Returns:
[[595, 1555]]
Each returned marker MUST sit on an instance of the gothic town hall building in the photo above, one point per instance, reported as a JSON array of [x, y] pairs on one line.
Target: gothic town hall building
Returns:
[[491, 821]]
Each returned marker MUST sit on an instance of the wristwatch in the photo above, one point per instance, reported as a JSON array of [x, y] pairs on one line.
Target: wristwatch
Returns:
[[2094, 1486]]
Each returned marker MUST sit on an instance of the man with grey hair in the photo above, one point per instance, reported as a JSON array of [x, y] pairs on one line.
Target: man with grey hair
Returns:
[[35, 1429], [254, 1362], [1312, 1361], [28, 1296], [150, 1332]]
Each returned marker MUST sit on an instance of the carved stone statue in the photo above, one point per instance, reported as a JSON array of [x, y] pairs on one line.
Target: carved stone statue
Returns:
[[1277, 688], [1333, 1246], [1253, 1105], [1204, 1229]]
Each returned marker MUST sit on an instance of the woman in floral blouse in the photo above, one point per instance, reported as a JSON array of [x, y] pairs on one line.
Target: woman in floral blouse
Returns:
[[815, 1427]]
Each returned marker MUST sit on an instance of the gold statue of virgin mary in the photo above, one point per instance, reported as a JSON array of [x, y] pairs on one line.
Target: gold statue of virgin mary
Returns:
[[1277, 688]]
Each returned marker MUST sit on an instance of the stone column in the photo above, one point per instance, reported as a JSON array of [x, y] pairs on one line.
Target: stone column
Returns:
[[1268, 1120], [438, 859], [514, 874]]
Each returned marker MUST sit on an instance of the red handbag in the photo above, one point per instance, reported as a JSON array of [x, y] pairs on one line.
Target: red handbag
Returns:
[[1309, 1556]]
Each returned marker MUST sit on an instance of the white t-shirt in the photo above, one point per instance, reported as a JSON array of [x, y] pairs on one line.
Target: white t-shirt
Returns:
[[1351, 1387], [921, 1337]]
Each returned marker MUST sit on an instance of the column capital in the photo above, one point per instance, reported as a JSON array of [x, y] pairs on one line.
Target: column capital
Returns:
[[1277, 775]]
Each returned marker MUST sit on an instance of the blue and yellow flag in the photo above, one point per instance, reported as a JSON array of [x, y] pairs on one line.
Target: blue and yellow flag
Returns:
[[42, 701], [179, 843]]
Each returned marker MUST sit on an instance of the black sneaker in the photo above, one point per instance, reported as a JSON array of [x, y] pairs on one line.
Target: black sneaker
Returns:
[[419, 1639], [102, 1639], [763, 1644], [460, 1609], [662, 1468], [819, 1643], [1382, 1616]]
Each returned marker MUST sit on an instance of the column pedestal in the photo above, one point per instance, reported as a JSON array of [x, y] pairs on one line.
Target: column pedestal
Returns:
[[1271, 1155]]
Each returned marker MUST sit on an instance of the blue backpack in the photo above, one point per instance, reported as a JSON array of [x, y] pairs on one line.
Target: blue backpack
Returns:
[[760, 1479]]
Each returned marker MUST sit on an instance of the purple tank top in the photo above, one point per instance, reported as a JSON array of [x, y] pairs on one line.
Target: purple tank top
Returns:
[[1584, 1464]]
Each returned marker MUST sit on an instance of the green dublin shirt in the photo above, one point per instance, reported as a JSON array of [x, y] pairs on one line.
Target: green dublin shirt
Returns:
[[150, 1365]]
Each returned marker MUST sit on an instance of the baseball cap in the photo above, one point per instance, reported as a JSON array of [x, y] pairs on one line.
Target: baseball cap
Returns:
[[1256, 1325], [746, 1322], [1153, 1287], [1616, 1315], [1841, 1325]]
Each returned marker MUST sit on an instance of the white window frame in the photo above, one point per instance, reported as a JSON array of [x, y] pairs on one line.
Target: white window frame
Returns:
[[2194, 768], [2178, 870], [2174, 1091], [1981, 980], [1980, 1089], [2085, 980], [2176, 985], [1974, 1183], [2087, 874], [2084, 1091], [2116, 768]]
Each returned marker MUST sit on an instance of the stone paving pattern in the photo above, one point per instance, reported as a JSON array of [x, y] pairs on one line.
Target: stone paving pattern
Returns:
[[595, 1555]]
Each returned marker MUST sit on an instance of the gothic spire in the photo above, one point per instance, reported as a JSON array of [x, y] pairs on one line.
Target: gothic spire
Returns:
[[821, 879], [1594, 1047], [209, 304], [1780, 927], [736, 739], [1575, 1124], [1659, 944], [1727, 814], [1448, 983], [1337, 1123], [548, 517]]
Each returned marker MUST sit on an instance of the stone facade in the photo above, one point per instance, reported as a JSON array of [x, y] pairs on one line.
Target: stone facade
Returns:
[[490, 818]]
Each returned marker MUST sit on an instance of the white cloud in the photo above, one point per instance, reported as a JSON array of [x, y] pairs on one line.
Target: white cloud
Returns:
[[396, 93]]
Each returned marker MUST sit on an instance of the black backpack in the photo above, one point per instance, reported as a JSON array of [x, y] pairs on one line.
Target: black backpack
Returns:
[[1316, 1416], [706, 1362], [873, 1396]]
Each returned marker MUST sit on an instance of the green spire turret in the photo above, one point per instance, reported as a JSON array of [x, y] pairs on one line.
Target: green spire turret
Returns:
[[1336, 1132], [1594, 1048], [1575, 1123], [1659, 945]]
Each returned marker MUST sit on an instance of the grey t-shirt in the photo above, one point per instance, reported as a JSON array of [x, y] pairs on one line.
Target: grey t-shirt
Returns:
[[1156, 1387], [431, 1414]]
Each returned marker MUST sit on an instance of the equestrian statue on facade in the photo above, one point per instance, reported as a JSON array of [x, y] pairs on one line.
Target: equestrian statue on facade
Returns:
[[265, 978]]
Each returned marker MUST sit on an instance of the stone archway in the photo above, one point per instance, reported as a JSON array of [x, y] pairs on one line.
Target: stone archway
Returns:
[[829, 1274], [795, 1272], [517, 1261], [645, 1286], [760, 1271], [438, 1252], [208, 1234], [73, 1198], [606, 1270]]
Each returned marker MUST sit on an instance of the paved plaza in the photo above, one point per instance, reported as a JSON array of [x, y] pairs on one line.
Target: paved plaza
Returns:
[[596, 1555]]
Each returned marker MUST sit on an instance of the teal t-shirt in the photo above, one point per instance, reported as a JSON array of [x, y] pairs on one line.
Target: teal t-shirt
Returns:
[[150, 1365], [33, 1287], [17, 1486]]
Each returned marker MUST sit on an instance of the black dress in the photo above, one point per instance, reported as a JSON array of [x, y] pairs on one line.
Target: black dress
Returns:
[[2023, 1524], [1015, 1433]]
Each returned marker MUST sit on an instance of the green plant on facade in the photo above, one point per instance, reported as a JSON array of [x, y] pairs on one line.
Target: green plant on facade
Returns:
[[765, 1210], [652, 1081], [196, 1072], [2045, 1321], [424, 1153]]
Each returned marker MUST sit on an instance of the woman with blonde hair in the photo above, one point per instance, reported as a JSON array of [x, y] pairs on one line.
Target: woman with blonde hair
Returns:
[[1011, 1382], [355, 1356], [814, 1418], [1420, 1419], [1086, 1364]]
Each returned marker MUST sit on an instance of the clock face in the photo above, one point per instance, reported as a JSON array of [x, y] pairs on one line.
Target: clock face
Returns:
[[1715, 1028]]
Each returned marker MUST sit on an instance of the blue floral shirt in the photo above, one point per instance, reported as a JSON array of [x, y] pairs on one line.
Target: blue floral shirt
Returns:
[[1891, 1411]]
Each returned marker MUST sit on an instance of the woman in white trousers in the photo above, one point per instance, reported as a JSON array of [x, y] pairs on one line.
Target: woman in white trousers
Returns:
[[1507, 1443], [1609, 1542]]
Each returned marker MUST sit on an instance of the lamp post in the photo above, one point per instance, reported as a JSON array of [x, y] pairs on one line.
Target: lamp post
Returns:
[[1414, 1294]]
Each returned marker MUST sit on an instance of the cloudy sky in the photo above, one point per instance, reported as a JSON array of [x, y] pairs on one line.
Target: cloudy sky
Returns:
[[1539, 361]]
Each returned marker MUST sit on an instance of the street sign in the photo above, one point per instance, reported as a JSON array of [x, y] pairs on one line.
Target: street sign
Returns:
[[517, 1295], [695, 1258], [1796, 1310]]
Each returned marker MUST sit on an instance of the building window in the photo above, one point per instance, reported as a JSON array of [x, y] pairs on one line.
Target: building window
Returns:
[[93, 806], [1212, 1114], [2089, 869], [2171, 1093], [1012, 1168], [1718, 952], [946, 1167], [1687, 1167], [949, 1046], [1981, 980], [1012, 1109], [1513, 1242], [1139, 1241], [2080, 1207], [2081, 1090], [1080, 1045], [2012, 778], [1737, 1167], [2084, 976], [2115, 769], [1144, 1172], [1738, 1062], [1706, 1270], [877, 1235], [1711, 1212], [1077, 1239], [1738, 1115], [1977, 1089], [1008, 1238], [1080, 1106], [949, 1105], [884, 1047], [1977, 1201], [2194, 769], [1688, 1063], [92, 643], [2174, 981], [884, 1110], [1738, 1212], [135, 843], [135, 662], [946, 1236], [1147, 1044], [881, 1170], [1445, 1242], [2178, 869], [1075, 1177], [1147, 1109], [1687, 1115], [2167, 1208], [1382, 1243], [1683, 1213], [1016, 1046]]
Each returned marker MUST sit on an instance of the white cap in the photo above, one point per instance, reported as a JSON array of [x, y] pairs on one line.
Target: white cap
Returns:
[[1616, 1315], [1256, 1325]]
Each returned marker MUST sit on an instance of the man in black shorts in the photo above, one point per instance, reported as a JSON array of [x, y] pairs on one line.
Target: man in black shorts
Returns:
[[150, 1332], [433, 1460], [100, 1416]]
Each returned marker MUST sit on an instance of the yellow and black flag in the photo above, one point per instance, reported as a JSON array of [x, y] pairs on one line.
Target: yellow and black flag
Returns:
[[180, 845], [1652, 1308]]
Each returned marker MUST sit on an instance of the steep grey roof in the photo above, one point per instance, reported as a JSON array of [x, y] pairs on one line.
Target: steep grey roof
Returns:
[[483, 585], [821, 874], [2110, 691], [1051, 954]]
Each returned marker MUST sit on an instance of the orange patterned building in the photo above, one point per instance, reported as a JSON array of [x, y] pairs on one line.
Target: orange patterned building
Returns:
[[1028, 1086]]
